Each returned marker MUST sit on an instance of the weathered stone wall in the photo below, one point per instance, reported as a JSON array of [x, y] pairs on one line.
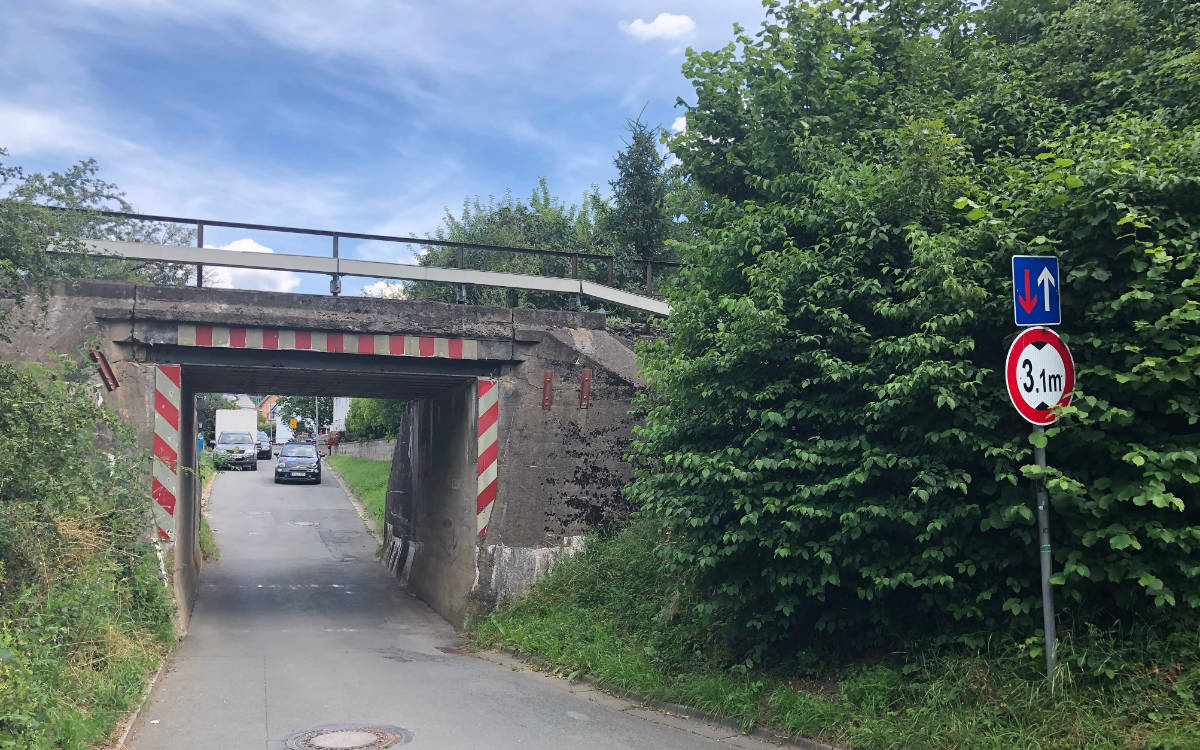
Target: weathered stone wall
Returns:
[[378, 450], [561, 469]]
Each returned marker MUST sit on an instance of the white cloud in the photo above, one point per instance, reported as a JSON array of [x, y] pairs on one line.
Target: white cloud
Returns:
[[250, 278], [385, 290], [680, 125], [24, 130], [664, 26]]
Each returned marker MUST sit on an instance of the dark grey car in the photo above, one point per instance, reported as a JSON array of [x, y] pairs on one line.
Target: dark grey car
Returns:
[[298, 462], [264, 445], [235, 449]]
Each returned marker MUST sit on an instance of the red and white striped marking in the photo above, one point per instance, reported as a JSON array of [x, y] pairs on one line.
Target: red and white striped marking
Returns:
[[489, 434], [229, 337], [164, 486]]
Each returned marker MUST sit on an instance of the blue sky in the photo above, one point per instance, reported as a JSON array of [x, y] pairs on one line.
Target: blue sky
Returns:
[[358, 115]]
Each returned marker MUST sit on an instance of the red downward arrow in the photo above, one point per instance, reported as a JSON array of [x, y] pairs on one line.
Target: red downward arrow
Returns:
[[1027, 302]]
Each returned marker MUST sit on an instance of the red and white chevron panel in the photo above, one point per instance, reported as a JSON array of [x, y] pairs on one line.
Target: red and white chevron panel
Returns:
[[489, 445], [229, 337], [165, 483]]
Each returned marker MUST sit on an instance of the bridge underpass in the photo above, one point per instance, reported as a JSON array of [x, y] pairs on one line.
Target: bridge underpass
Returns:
[[430, 501], [512, 447]]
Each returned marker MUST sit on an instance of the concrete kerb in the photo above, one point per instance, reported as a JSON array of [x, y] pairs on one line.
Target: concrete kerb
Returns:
[[363, 512], [803, 743], [131, 719]]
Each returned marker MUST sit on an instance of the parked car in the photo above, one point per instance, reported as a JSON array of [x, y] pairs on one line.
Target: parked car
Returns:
[[298, 462], [264, 445], [235, 449]]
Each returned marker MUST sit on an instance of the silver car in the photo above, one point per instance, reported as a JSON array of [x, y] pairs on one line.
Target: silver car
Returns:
[[235, 449]]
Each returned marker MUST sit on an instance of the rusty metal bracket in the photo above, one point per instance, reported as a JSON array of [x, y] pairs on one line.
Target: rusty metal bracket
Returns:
[[585, 390], [547, 389], [106, 373]]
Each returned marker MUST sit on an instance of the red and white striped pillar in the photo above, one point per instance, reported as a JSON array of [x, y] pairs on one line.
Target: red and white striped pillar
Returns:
[[164, 486], [488, 435]]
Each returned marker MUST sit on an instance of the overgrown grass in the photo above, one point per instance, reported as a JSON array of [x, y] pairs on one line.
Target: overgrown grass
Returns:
[[207, 468], [84, 614], [208, 543], [611, 613], [367, 478]]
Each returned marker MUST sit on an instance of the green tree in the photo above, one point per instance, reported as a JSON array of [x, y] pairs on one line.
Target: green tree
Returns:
[[373, 418], [637, 224], [828, 441], [544, 223], [301, 408], [29, 227]]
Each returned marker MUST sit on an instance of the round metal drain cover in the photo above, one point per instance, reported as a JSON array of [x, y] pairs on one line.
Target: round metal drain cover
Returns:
[[348, 737]]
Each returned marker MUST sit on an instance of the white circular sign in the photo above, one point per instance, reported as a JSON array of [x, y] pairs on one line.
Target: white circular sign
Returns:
[[1040, 374]]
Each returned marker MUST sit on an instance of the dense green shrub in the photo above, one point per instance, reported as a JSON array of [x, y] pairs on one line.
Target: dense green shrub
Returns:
[[828, 442], [84, 613]]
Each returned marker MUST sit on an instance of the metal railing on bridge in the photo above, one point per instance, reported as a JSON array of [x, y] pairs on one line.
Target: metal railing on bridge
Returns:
[[337, 266]]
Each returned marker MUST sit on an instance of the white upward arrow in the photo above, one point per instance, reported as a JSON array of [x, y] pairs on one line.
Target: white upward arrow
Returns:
[[1046, 280]]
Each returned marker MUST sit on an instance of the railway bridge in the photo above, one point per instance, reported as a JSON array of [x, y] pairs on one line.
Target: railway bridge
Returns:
[[511, 448]]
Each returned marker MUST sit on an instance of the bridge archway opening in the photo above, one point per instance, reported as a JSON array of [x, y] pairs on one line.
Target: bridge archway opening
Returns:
[[432, 490]]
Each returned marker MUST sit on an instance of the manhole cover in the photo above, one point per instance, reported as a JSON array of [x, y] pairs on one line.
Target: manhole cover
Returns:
[[348, 737]]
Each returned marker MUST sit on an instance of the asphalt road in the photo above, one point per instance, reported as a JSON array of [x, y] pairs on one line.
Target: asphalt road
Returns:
[[298, 626]]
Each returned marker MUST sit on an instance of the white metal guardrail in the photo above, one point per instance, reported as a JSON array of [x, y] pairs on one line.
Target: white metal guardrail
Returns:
[[207, 256]]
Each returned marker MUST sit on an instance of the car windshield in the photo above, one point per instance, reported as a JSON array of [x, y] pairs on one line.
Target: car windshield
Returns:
[[262, 437], [299, 451], [235, 437]]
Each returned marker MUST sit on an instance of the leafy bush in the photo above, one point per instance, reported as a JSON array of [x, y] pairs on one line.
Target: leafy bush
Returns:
[[84, 614], [828, 442]]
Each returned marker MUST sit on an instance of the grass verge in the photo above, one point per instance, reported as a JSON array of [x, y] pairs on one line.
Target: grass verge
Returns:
[[208, 542], [611, 613], [367, 478]]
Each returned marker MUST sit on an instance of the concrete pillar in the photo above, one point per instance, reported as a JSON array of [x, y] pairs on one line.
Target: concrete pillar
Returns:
[[430, 534]]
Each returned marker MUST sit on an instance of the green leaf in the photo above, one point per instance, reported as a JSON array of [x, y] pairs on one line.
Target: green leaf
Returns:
[[1123, 541]]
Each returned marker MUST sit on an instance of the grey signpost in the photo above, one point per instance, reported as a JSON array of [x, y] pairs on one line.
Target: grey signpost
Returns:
[[1040, 375], [1043, 521]]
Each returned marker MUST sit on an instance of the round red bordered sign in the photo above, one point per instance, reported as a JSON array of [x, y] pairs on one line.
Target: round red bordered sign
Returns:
[[1040, 374]]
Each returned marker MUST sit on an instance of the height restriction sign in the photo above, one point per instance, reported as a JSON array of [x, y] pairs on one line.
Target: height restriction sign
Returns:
[[1040, 374]]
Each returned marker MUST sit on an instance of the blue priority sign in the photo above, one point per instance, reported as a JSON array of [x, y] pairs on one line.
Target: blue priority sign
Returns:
[[1035, 290]]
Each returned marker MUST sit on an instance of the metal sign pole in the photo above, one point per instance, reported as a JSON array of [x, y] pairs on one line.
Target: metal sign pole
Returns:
[[1043, 520]]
